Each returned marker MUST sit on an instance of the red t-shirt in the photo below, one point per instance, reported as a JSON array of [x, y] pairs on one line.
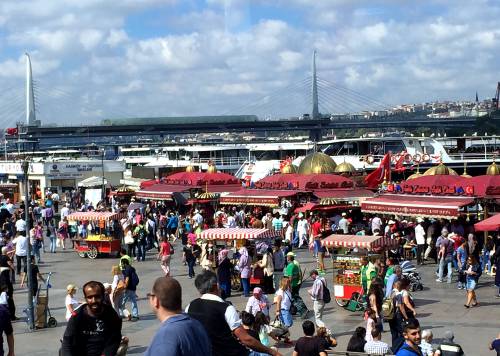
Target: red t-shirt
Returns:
[[316, 228], [165, 249]]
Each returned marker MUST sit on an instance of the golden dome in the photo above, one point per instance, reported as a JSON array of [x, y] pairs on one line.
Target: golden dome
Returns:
[[414, 175], [440, 170], [345, 167], [492, 170], [317, 163], [289, 168], [190, 168], [212, 168]]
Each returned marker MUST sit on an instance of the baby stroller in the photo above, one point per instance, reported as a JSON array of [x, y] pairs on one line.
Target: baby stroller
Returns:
[[410, 272]]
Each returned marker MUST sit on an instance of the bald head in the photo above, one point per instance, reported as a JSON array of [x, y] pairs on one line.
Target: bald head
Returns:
[[169, 293]]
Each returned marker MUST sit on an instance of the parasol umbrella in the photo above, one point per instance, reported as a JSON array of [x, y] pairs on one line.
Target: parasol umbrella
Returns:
[[490, 224], [134, 206]]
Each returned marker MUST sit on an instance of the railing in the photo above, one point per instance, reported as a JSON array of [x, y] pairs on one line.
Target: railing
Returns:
[[473, 155], [220, 161]]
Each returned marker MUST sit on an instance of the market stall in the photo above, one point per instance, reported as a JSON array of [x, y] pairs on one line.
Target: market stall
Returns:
[[436, 196], [347, 267], [103, 237]]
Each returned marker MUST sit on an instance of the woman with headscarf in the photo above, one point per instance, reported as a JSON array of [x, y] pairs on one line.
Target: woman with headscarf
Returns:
[[267, 264], [244, 265], [258, 302], [473, 246], [224, 272]]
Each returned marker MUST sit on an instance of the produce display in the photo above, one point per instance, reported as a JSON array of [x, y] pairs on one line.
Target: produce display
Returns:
[[101, 237], [348, 270]]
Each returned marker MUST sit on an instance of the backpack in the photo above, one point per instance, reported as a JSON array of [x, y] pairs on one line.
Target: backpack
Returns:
[[142, 234], [327, 298], [388, 309], [134, 278]]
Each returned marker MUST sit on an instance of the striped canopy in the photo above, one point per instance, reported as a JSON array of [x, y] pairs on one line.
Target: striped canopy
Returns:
[[96, 216], [238, 234], [351, 241]]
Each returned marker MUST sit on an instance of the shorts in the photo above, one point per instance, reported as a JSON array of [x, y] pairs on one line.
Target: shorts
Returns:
[[470, 284]]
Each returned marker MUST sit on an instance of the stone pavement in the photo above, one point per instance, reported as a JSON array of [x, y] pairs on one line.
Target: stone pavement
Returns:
[[439, 306]]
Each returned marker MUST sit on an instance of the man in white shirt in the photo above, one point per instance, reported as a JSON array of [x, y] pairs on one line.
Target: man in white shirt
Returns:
[[376, 347], [344, 224], [21, 243], [302, 230], [65, 211], [20, 224], [420, 238], [198, 219], [231, 221], [376, 224]]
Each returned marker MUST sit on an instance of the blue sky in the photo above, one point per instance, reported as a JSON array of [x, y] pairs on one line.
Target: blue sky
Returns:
[[95, 59]]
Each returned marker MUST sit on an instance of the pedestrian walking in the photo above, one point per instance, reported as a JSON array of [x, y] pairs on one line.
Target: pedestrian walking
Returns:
[[472, 272], [244, 266], [131, 281], [278, 262], [21, 242], [224, 273], [316, 293], [165, 254], [445, 256]]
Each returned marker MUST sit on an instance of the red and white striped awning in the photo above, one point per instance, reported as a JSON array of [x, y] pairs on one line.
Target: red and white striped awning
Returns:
[[96, 216], [239, 234], [351, 241], [159, 191]]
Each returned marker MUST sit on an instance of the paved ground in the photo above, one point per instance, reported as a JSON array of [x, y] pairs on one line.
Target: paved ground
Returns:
[[439, 306]]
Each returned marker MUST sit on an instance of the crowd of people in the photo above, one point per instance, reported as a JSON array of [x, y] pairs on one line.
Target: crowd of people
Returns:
[[268, 274]]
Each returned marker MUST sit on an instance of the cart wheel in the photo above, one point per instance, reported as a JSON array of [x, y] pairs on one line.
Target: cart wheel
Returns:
[[92, 252], [360, 303], [342, 302], [413, 288], [420, 287], [52, 322], [235, 283], [82, 254]]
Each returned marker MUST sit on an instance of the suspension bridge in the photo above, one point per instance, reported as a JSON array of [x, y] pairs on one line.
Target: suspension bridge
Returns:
[[312, 105]]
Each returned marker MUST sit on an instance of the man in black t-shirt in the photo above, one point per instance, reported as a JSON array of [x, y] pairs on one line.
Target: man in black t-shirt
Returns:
[[35, 274], [6, 269], [309, 345], [131, 281], [95, 328]]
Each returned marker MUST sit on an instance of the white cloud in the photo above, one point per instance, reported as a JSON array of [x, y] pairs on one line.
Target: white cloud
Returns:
[[140, 58]]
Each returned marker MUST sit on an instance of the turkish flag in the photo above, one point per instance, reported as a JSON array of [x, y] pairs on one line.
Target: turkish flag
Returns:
[[399, 164], [376, 177], [11, 131]]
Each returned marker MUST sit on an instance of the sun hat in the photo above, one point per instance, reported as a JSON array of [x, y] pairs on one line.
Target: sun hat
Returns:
[[291, 254]]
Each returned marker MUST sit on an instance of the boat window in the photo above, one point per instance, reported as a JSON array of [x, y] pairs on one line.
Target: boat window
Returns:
[[394, 146], [269, 155], [376, 148]]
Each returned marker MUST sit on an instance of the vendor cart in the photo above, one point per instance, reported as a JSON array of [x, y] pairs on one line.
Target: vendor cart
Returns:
[[103, 240], [348, 290]]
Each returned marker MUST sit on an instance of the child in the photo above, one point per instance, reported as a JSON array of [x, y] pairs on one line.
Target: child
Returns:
[[262, 327], [371, 321], [248, 321]]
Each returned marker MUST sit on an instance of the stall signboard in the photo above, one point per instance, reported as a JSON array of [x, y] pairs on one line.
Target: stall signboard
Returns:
[[435, 190], [75, 169], [16, 168], [412, 210]]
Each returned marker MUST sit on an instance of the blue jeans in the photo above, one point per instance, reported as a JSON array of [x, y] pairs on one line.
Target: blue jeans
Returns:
[[190, 264], [485, 261], [455, 261], [36, 251], [141, 252], [130, 296], [245, 282], [225, 288], [52, 243], [295, 240], [442, 262]]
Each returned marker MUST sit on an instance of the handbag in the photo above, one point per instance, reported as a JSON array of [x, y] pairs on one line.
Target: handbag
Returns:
[[278, 329], [129, 239]]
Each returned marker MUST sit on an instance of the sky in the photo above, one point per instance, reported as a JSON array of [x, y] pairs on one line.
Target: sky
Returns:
[[98, 59]]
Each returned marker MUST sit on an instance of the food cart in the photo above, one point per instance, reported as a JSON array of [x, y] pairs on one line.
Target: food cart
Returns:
[[239, 237], [347, 267], [104, 239]]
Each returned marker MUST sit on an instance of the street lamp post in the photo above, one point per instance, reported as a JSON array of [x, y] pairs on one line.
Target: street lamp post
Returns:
[[31, 312], [102, 171]]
